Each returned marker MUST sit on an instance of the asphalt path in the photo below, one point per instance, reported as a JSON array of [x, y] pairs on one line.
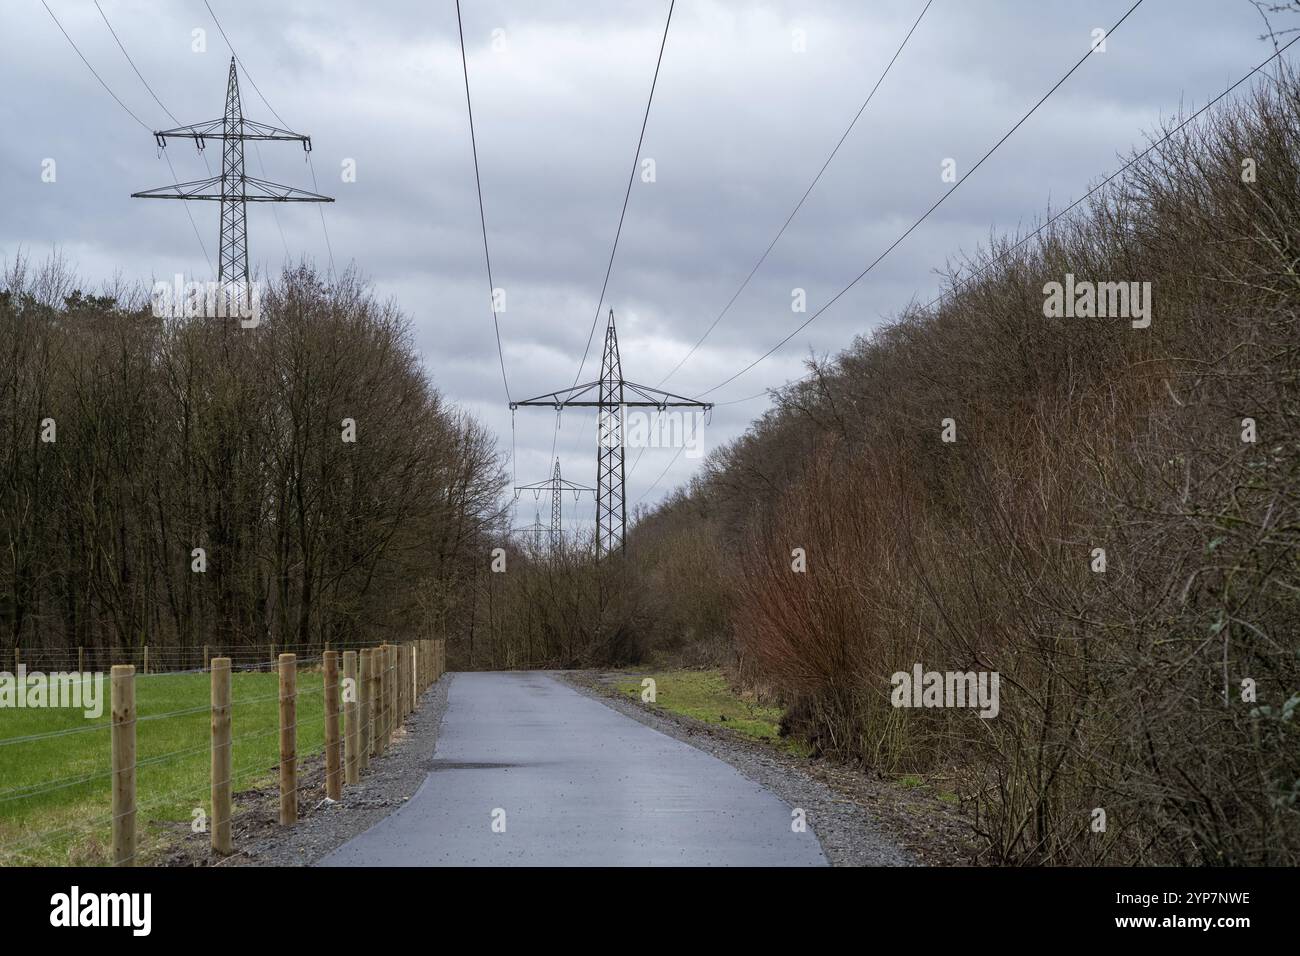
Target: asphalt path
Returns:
[[528, 772]]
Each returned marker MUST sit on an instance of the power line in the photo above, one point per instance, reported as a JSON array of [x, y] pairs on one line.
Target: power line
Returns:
[[788, 219], [802, 199], [329, 248], [655, 483], [1105, 182], [910, 229], [128, 109], [188, 214], [897, 241], [133, 66], [275, 215], [121, 46], [765, 392], [622, 214], [478, 183], [1082, 199], [247, 75], [628, 193]]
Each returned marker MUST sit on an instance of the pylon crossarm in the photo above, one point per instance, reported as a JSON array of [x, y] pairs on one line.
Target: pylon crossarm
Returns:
[[659, 398], [194, 190], [566, 396], [275, 192], [578, 397], [549, 485], [255, 190], [215, 129]]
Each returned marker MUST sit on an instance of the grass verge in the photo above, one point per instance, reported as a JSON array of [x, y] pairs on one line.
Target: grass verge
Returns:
[[706, 695]]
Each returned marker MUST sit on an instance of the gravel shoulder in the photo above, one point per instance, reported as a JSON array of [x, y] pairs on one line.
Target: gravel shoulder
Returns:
[[859, 819], [324, 825]]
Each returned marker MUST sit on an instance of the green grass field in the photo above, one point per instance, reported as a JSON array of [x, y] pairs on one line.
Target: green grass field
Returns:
[[55, 791], [706, 695]]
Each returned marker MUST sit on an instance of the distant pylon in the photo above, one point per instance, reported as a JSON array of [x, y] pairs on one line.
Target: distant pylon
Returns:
[[535, 529], [556, 486], [233, 188], [612, 398]]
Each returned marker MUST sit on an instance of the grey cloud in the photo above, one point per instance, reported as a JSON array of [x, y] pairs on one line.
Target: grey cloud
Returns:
[[740, 124]]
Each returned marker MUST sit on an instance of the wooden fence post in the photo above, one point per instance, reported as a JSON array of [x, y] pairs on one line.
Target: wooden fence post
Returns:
[[288, 739], [392, 692], [207, 658], [351, 736], [376, 699], [405, 672], [390, 708], [389, 684], [363, 709], [123, 734], [394, 686], [81, 659], [333, 764], [381, 697], [146, 658], [222, 764], [401, 683], [377, 704]]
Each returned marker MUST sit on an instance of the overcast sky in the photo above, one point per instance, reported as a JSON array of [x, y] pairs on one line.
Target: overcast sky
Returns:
[[741, 123]]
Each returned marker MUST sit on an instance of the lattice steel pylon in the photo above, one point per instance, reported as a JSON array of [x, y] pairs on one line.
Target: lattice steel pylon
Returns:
[[611, 499], [614, 395], [556, 486], [234, 189], [534, 530]]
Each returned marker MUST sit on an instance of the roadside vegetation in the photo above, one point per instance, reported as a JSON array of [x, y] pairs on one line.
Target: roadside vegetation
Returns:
[[1160, 685], [707, 696]]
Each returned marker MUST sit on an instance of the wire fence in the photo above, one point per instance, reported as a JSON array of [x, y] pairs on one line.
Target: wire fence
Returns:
[[63, 778], [164, 659]]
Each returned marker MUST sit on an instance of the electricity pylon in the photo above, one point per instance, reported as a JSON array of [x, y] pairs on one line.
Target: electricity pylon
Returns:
[[556, 486], [612, 393], [534, 530], [233, 188]]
